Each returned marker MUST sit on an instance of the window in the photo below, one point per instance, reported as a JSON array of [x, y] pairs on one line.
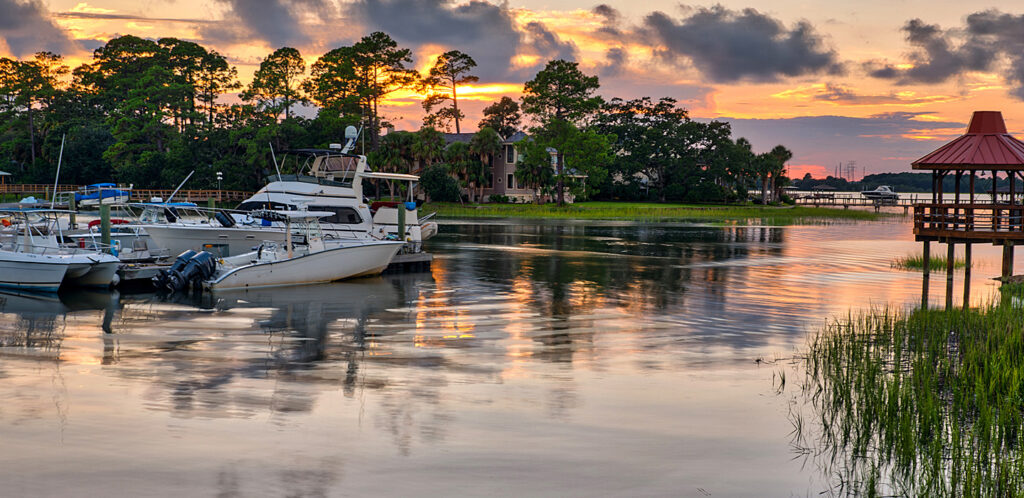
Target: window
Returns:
[[510, 154], [511, 181], [343, 215], [254, 205]]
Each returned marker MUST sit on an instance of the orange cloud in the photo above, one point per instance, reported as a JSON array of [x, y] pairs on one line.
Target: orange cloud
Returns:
[[799, 170]]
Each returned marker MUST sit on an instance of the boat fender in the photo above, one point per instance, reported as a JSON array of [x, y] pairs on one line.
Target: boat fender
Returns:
[[259, 252]]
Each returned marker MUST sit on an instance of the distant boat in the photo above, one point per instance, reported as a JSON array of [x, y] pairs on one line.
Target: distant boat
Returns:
[[102, 193], [883, 192]]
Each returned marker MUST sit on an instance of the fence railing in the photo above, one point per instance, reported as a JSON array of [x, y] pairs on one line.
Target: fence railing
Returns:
[[969, 220], [138, 194]]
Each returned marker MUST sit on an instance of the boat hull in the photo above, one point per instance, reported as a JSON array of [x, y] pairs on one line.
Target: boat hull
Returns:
[[32, 271], [329, 265], [221, 241]]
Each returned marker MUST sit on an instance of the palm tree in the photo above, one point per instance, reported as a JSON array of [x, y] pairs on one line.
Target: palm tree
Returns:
[[780, 154], [428, 146], [457, 155], [486, 144]]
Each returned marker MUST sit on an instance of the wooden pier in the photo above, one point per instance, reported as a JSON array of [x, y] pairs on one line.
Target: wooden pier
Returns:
[[856, 200]]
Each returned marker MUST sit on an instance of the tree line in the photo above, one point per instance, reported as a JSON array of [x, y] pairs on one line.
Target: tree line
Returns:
[[148, 112]]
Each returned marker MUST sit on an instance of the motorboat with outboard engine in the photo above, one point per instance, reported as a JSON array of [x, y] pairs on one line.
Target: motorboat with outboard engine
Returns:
[[35, 256], [305, 257]]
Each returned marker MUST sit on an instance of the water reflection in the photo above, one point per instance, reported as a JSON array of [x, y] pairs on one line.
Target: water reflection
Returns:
[[528, 349]]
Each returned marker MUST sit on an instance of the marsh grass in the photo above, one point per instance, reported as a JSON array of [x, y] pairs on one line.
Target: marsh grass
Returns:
[[913, 262], [639, 211], [919, 403]]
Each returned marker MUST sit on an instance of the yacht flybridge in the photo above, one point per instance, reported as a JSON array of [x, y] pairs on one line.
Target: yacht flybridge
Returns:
[[332, 180]]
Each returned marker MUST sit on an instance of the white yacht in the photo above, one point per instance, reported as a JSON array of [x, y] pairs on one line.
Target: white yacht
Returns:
[[33, 256], [329, 181], [883, 192], [305, 257]]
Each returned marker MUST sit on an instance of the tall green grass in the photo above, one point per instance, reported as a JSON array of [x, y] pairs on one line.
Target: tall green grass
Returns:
[[651, 212], [919, 403], [916, 262]]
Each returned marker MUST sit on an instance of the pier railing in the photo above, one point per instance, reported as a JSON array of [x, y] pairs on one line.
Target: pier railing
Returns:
[[982, 221], [138, 194]]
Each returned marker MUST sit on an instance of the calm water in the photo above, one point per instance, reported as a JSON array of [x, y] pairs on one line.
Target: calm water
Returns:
[[561, 359]]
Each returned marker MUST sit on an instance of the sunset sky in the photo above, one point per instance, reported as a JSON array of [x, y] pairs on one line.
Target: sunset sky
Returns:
[[877, 83]]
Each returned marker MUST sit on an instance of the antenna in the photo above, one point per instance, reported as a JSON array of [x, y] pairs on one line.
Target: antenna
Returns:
[[182, 184], [274, 156], [53, 198], [351, 134]]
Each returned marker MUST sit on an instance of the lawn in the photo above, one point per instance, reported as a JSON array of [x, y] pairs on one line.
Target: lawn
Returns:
[[642, 211]]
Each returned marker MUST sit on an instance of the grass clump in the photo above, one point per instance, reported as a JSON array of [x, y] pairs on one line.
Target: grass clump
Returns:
[[913, 262], [642, 211], [920, 403]]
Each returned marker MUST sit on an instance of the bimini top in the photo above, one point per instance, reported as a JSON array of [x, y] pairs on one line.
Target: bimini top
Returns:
[[985, 146]]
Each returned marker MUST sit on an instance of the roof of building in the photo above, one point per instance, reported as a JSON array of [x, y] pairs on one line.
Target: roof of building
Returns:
[[517, 136], [450, 138], [985, 146]]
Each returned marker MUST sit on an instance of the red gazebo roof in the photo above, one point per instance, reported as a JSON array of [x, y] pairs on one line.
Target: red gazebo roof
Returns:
[[985, 146]]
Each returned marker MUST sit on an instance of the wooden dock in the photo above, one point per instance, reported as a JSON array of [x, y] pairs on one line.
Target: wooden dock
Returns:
[[856, 200]]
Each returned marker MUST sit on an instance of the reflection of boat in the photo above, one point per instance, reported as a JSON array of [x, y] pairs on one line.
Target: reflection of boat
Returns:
[[102, 193], [27, 301], [304, 258], [883, 192]]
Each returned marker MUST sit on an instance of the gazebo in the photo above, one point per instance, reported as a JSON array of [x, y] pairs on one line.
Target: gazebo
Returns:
[[972, 216]]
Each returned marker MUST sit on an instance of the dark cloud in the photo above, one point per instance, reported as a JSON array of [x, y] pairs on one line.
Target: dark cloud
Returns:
[[611, 20], [877, 142], [278, 22], [485, 31], [547, 44], [26, 27], [103, 16], [1005, 33], [727, 45], [991, 40], [616, 60], [840, 94], [935, 58]]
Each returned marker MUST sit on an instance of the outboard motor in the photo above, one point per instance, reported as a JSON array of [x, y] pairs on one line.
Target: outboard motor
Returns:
[[199, 267], [160, 279], [225, 220]]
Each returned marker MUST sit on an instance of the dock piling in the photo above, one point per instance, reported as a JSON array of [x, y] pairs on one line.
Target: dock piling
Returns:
[[926, 271], [950, 257], [105, 226], [1007, 260], [967, 275]]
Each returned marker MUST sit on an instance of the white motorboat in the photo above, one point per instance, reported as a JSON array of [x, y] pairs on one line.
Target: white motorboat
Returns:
[[304, 258], [34, 256], [332, 180], [883, 192]]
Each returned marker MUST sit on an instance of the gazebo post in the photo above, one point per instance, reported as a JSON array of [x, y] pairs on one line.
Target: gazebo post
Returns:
[[950, 253], [1007, 260]]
